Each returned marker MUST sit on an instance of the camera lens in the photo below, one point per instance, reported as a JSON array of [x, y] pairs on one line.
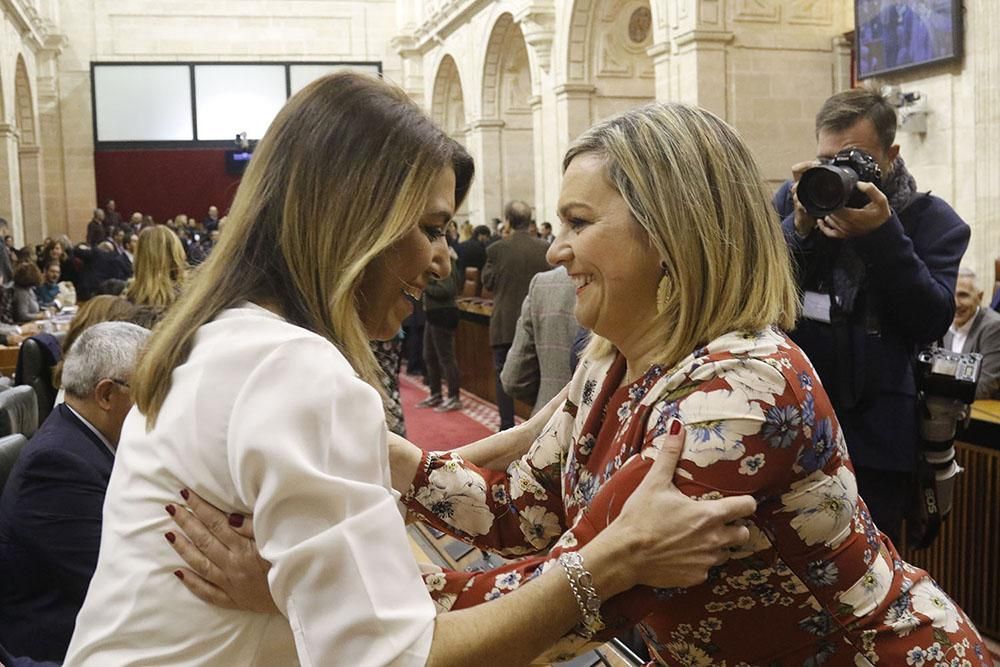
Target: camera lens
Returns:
[[824, 189]]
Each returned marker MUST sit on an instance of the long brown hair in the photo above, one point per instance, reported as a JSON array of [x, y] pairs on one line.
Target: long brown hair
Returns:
[[344, 171]]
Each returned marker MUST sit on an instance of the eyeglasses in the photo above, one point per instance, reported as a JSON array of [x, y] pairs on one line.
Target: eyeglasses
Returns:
[[120, 382]]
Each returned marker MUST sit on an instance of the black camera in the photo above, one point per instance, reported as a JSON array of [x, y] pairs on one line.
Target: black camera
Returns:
[[946, 385], [833, 184]]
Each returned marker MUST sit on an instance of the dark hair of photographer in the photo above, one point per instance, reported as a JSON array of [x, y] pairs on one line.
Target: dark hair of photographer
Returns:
[[842, 111]]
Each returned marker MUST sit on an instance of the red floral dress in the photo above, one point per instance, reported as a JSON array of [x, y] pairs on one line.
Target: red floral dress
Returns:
[[818, 584]]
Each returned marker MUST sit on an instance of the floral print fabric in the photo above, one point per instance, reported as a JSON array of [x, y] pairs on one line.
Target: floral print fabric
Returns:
[[816, 585]]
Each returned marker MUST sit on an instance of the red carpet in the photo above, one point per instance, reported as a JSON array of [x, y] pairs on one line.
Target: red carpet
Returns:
[[445, 430]]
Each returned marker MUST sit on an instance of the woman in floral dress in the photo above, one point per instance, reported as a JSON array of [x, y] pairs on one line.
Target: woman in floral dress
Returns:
[[683, 275]]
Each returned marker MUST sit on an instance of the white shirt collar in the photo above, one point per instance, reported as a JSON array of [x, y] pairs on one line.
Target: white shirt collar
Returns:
[[965, 328], [86, 423]]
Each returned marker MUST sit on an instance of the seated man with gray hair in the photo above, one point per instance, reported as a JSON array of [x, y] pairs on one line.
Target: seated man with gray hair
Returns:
[[51, 507], [976, 329]]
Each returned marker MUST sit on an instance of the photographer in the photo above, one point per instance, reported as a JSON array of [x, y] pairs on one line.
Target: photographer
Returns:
[[878, 281]]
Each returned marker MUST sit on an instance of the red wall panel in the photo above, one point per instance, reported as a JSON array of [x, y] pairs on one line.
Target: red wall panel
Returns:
[[165, 182]]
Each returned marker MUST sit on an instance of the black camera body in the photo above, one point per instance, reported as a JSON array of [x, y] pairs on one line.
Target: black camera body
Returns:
[[946, 386], [948, 374], [833, 184]]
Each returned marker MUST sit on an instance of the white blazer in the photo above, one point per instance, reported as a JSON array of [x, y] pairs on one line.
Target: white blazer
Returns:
[[269, 419]]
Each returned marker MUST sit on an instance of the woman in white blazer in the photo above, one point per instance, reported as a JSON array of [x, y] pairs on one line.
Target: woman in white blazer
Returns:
[[259, 392]]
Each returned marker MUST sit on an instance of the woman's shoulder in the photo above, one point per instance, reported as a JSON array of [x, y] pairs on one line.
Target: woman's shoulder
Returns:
[[256, 336], [760, 365]]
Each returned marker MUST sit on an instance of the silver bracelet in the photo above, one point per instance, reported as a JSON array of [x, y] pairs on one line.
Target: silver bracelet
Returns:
[[582, 584]]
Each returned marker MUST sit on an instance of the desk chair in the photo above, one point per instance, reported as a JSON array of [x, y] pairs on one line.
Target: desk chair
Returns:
[[10, 449], [34, 369], [18, 411]]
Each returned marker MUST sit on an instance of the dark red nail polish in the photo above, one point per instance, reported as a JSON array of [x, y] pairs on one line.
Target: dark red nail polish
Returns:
[[675, 427], [236, 520], [179, 574], [170, 537], [171, 510], [184, 494]]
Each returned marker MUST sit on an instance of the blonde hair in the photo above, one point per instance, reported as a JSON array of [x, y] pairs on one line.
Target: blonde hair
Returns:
[[160, 268], [344, 171], [692, 184]]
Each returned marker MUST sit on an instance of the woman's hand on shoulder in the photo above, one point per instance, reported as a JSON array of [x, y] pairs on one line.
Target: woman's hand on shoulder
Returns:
[[226, 569], [669, 539]]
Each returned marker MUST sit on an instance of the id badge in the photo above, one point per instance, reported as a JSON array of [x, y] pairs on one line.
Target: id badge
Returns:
[[816, 306]]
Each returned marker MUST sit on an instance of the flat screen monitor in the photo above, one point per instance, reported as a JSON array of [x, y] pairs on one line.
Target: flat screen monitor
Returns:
[[897, 35]]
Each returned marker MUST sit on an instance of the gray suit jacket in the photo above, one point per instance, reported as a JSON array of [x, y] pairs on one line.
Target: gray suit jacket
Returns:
[[510, 266], [537, 366], [984, 338]]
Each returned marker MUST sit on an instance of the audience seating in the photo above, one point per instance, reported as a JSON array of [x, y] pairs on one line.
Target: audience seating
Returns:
[[10, 448], [18, 411], [34, 368]]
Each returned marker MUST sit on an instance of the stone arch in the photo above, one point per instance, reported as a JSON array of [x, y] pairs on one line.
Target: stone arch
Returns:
[[29, 156], [508, 106], [448, 99], [448, 109], [24, 113]]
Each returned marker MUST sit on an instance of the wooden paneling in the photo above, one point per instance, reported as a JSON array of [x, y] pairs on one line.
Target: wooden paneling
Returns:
[[475, 360], [965, 559], [8, 360]]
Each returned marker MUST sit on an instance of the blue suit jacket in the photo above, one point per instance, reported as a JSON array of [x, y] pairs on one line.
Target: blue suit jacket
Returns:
[[50, 534], [912, 264]]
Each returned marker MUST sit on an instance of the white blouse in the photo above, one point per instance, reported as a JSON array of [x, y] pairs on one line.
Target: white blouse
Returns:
[[269, 419]]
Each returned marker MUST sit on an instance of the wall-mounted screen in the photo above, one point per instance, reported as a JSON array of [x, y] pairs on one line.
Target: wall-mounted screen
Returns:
[[237, 98], [897, 35], [143, 103], [165, 104]]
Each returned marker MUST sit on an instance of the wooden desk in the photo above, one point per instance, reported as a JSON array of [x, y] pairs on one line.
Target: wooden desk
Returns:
[[8, 360], [986, 411], [474, 354], [965, 559]]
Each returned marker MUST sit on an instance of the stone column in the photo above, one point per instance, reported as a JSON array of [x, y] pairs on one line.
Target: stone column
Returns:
[[10, 194], [660, 53], [412, 62], [538, 144], [50, 139], [32, 206], [486, 196], [703, 80], [842, 64], [985, 64], [572, 112]]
